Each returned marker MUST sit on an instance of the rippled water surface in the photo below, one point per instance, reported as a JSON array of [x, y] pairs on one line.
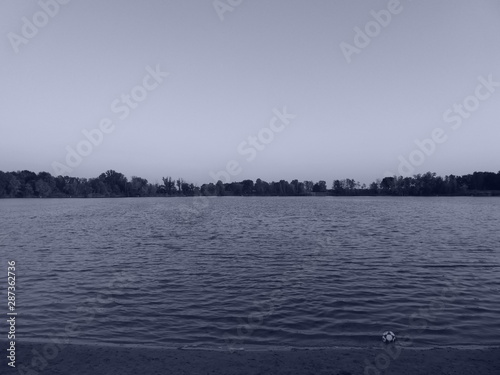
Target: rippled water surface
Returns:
[[255, 272]]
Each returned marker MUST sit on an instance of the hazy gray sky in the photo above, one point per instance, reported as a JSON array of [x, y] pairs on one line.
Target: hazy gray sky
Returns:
[[231, 69]]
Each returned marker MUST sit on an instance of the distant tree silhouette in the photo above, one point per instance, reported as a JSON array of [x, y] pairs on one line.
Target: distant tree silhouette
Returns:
[[26, 184], [220, 189], [247, 188], [319, 187]]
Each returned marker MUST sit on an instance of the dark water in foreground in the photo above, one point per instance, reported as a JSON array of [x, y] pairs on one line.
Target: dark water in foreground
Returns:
[[255, 272]]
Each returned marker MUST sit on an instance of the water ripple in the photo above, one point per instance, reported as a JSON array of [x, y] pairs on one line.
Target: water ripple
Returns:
[[257, 272]]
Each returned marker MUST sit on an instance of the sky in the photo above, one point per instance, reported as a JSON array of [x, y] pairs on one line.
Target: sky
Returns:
[[234, 90]]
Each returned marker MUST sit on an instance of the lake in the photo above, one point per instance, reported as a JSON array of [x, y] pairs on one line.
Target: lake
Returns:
[[255, 272]]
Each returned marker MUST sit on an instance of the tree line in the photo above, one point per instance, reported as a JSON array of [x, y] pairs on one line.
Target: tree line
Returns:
[[26, 184]]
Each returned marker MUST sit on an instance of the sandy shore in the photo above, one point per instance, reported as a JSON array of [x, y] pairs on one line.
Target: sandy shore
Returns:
[[36, 359]]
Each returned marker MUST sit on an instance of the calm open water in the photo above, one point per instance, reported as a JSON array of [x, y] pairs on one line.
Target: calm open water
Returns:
[[255, 272]]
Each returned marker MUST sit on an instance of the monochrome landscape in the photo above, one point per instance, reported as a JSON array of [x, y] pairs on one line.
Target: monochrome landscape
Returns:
[[250, 187]]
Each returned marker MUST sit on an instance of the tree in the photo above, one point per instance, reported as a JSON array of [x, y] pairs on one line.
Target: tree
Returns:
[[308, 187], [187, 189], [42, 189], [111, 183], [98, 187], [13, 186], [259, 187], [220, 190], [284, 187], [169, 185], [70, 186], [301, 189], [139, 187], [28, 190], [208, 189], [116, 183], [387, 185], [247, 187], [237, 188], [85, 188], [338, 187], [4, 182], [319, 187]]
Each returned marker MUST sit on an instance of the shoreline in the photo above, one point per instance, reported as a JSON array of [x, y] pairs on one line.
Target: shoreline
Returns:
[[249, 348], [78, 359], [480, 194]]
